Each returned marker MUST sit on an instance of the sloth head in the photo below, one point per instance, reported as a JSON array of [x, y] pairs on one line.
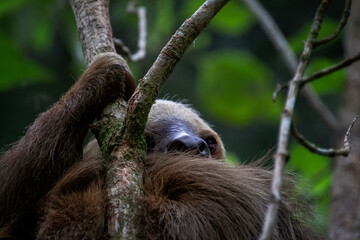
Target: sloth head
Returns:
[[173, 127]]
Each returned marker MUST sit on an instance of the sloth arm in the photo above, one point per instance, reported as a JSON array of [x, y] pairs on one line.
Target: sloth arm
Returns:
[[54, 143]]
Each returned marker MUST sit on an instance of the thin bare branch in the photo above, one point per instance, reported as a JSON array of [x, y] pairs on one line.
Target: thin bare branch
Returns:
[[285, 124], [270, 27], [347, 135], [122, 48], [150, 86], [342, 23], [272, 30], [141, 44], [327, 152], [141, 12], [279, 88], [319, 74], [343, 64]]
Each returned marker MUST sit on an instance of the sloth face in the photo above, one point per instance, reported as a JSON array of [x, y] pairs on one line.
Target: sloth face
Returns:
[[176, 128]]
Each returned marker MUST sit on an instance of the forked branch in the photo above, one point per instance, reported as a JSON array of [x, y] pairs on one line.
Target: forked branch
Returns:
[[324, 72], [327, 152], [342, 23], [151, 84], [319, 74], [286, 120], [141, 44], [128, 150], [275, 35]]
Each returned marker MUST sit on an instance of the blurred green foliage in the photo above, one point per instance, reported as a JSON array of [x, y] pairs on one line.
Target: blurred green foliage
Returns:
[[15, 69], [327, 28], [10, 6], [233, 19], [315, 181], [239, 85], [228, 74], [331, 84]]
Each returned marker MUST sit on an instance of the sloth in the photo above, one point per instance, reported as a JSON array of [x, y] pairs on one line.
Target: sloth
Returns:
[[52, 188]]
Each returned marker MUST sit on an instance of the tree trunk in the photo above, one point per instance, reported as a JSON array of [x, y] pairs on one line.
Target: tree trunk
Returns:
[[345, 204]]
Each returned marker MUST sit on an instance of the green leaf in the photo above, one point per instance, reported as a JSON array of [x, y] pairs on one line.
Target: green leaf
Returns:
[[235, 86], [7, 6], [15, 70], [333, 83]]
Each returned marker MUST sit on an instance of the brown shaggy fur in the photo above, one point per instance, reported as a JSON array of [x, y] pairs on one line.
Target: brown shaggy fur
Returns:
[[50, 189], [185, 197], [52, 145], [208, 199], [75, 207]]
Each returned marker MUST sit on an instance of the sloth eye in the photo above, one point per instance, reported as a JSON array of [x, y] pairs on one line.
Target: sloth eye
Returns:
[[211, 142]]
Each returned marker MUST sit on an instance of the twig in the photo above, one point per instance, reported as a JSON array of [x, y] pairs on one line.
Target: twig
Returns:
[[122, 48], [342, 23], [274, 33], [150, 86], [345, 63], [319, 74], [279, 88], [289, 58], [285, 125], [141, 44], [327, 152]]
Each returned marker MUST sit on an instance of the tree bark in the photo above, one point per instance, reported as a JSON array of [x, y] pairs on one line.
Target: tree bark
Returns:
[[94, 29], [125, 148], [345, 199], [124, 166]]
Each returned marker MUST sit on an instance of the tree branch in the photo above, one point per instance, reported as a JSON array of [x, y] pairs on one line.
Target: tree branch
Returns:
[[141, 52], [128, 146], [149, 87], [285, 124], [342, 23], [319, 74], [95, 34], [124, 177], [151, 84], [343, 64], [289, 58], [273, 31], [330, 152]]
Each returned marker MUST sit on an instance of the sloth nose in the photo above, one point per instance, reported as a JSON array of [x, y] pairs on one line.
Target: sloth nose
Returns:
[[188, 143]]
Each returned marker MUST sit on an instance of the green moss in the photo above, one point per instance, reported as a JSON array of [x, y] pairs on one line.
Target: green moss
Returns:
[[104, 131]]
